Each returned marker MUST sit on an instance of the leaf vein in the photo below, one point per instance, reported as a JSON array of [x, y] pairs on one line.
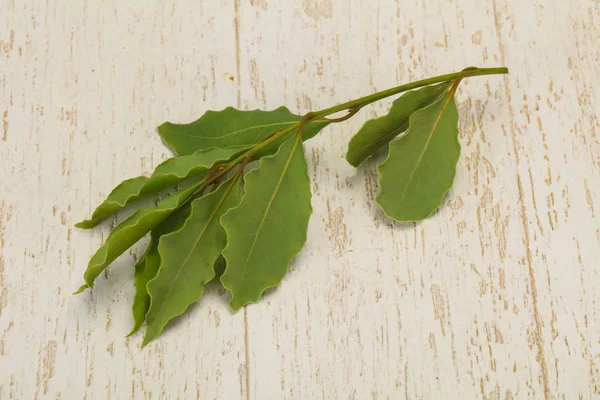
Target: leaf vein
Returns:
[[275, 191], [234, 132], [425, 148]]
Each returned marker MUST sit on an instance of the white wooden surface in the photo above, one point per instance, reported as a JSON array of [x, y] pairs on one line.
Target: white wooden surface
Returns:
[[496, 297]]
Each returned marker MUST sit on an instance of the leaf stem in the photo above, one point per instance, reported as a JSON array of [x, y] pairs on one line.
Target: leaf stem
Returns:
[[363, 101], [352, 111], [352, 107]]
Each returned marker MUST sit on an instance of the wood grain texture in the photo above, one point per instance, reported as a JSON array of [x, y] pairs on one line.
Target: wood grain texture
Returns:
[[495, 297]]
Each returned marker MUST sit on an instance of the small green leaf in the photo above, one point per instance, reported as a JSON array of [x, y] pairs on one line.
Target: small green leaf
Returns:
[[232, 127], [421, 164], [170, 173], [188, 258], [147, 268], [269, 226], [128, 232], [378, 132]]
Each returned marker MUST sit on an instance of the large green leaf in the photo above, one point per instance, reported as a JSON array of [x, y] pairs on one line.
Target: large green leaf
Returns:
[[378, 132], [269, 226], [421, 164], [147, 268], [232, 127], [188, 258], [170, 173], [128, 232]]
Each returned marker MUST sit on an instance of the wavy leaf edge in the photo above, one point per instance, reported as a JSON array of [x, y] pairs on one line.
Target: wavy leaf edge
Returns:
[[195, 206], [98, 217]]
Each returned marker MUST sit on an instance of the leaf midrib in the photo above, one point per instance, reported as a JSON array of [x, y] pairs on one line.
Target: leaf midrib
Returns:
[[234, 132], [275, 191], [425, 148]]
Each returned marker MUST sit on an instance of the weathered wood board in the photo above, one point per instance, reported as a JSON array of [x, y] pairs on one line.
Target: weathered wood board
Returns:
[[495, 297]]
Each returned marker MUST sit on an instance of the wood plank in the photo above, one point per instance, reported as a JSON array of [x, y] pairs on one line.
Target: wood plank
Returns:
[[494, 297]]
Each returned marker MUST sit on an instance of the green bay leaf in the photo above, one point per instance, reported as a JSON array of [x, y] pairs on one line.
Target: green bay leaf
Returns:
[[378, 132], [168, 174], [232, 127], [269, 226], [421, 164], [188, 258], [147, 268], [128, 232]]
